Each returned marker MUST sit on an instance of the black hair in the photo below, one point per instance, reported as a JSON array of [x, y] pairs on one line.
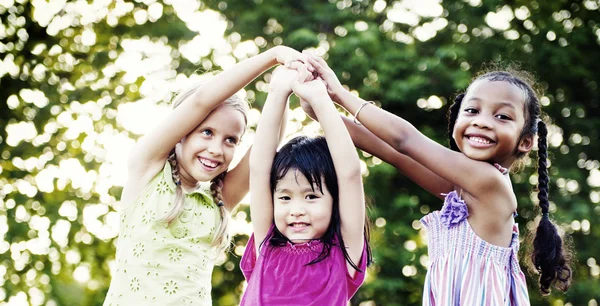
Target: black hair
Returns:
[[549, 257], [311, 157]]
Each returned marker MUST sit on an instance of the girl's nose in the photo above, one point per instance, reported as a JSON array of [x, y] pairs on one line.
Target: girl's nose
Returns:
[[297, 210], [215, 148], [482, 122]]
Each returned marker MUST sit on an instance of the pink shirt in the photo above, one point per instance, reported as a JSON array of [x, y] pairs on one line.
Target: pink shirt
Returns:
[[280, 276]]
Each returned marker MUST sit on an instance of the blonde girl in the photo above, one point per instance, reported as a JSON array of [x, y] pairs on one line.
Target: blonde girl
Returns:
[[176, 200]]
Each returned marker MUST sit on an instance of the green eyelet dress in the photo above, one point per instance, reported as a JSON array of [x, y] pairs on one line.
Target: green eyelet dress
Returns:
[[158, 264]]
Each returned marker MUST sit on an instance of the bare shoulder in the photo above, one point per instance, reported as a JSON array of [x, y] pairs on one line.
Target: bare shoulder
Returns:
[[491, 216], [136, 182]]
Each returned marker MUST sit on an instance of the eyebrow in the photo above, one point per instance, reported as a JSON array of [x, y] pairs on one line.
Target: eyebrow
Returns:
[[507, 104], [284, 190]]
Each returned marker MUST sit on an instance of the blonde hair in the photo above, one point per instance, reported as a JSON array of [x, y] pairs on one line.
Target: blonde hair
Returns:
[[221, 236]]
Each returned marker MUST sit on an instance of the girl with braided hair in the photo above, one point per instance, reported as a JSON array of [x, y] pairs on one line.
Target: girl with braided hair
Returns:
[[473, 240], [176, 200]]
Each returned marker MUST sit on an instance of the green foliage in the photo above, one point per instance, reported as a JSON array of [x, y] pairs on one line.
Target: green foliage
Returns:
[[54, 73]]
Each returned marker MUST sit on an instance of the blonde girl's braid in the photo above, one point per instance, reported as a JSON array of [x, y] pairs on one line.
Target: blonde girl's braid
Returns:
[[177, 207], [221, 237]]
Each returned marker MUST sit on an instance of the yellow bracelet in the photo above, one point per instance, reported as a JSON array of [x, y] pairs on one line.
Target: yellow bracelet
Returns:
[[359, 109]]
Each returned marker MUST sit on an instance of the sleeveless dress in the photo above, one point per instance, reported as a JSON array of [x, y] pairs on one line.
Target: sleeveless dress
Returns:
[[465, 269], [158, 264]]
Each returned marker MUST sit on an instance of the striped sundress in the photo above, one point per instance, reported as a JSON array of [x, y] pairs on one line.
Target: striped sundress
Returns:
[[465, 269]]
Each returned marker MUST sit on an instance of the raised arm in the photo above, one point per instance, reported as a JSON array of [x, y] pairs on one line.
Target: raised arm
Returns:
[[263, 152], [458, 170], [346, 163], [237, 183], [149, 154], [368, 142]]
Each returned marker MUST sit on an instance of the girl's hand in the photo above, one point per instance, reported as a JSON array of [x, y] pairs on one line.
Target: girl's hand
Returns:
[[283, 76], [334, 87], [281, 80], [311, 91], [286, 56]]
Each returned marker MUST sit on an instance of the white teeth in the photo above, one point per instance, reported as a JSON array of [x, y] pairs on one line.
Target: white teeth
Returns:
[[480, 140], [298, 224], [208, 163]]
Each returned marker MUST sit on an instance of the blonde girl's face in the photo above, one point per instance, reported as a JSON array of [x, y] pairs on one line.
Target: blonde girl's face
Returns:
[[490, 121], [208, 150], [301, 213]]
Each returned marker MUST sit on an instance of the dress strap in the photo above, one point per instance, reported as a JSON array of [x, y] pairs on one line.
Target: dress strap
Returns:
[[500, 168]]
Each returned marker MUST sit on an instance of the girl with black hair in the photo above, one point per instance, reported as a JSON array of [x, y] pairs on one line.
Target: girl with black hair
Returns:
[[473, 240], [309, 245]]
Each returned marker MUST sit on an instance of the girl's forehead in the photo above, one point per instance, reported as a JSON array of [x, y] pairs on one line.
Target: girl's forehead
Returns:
[[496, 92], [294, 177], [227, 118]]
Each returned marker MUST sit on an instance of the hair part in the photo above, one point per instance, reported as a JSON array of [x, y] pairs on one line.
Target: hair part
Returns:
[[311, 157], [549, 256]]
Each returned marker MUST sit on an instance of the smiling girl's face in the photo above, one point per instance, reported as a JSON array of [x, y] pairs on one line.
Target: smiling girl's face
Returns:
[[301, 210], [208, 150], [490, 122]]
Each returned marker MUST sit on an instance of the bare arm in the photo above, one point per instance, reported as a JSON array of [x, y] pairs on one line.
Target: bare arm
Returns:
[[368, 142], [237, 184], [454, 167], [404, 138], [150, 153], [263, 152], [346, 163]]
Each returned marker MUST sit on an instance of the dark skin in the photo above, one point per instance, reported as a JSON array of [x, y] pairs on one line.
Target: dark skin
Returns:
[[483, 130]]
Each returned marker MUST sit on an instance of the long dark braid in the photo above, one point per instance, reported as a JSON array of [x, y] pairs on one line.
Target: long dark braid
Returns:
[[548, 257]]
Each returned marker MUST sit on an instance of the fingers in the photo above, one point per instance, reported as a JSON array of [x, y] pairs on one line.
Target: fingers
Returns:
[[318, 67], [315, 59], [295, 65], [304, 59]]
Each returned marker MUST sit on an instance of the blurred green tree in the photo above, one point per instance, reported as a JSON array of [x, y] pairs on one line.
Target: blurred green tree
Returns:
[[68, 70]]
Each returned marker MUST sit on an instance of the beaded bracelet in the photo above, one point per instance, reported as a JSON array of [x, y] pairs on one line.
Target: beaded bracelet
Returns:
[[359, 109]]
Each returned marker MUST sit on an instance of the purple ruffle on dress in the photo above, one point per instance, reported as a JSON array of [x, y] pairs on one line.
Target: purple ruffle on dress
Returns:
[[454, 210]]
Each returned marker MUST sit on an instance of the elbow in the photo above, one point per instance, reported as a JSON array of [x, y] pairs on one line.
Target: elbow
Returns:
[[258, 165], [399, 140], [349, 172]]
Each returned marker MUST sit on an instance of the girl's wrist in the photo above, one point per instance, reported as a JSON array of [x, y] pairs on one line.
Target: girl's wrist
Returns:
[[278, 91], [278, 54], [320, 102], [342, 97]]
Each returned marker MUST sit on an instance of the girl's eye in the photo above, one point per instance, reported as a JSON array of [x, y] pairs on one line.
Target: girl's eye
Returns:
[[470, 110], [284, 198], [232, 140], [206, 132], [503, 117], [312, 197]]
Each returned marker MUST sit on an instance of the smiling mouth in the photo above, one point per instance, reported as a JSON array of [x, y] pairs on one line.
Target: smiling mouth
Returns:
[[208, 163], [299, 224], [480, 139]]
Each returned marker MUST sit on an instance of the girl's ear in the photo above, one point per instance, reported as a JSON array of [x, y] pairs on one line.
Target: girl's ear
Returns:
[[525, 144]]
